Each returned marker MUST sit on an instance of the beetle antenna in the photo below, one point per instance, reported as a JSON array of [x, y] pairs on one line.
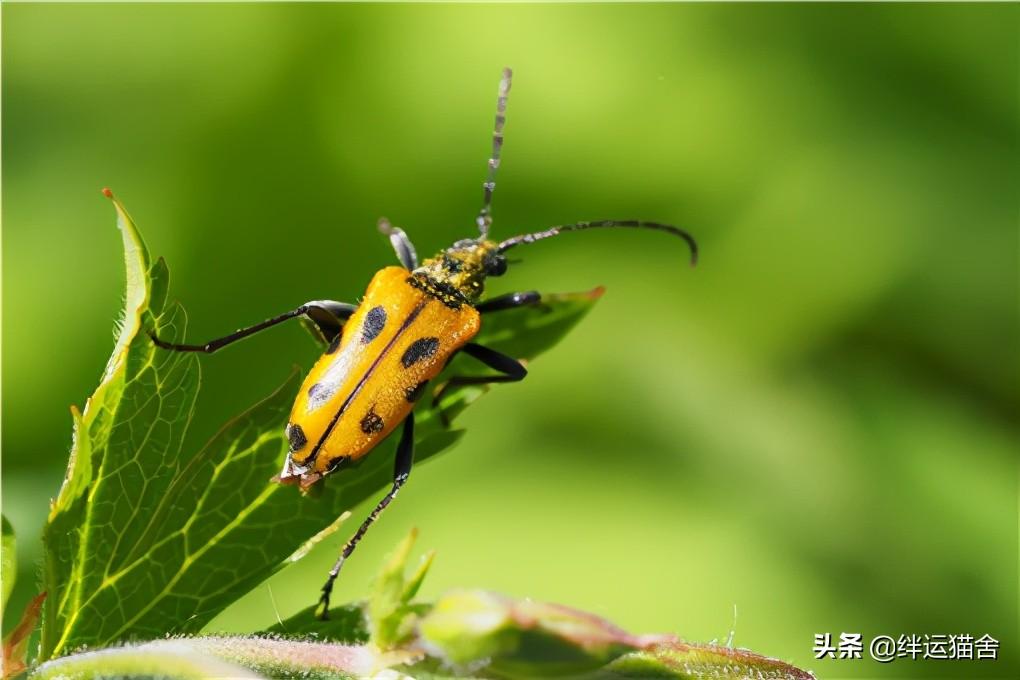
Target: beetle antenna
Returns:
[[484, 219], [634, 224]]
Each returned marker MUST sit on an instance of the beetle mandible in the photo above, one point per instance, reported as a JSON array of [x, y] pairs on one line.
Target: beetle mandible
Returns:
[[383, 352]]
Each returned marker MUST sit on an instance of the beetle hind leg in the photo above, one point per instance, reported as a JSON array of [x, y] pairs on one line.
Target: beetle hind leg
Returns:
[[511, 371], [401, 470]]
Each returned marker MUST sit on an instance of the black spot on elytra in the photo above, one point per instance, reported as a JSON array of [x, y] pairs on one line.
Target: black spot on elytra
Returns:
[[414, 392], [375, 320], [420, 349], [296, 437], [371, 423], [333, 344]]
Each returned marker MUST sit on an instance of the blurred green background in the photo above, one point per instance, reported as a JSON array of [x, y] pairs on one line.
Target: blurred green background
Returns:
[[816, 427]]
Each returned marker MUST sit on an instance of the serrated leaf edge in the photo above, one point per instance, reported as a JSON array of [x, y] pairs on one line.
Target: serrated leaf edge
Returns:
[[79, 472]]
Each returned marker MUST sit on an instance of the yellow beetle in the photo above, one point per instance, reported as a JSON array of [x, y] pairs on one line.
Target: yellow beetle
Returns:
[[383, 352]]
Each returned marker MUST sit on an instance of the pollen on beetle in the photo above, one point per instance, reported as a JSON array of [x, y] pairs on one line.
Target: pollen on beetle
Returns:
[[372, 423], [296, 437]]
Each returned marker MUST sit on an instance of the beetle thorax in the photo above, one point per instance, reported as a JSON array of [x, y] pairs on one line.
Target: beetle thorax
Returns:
[[457, 275]]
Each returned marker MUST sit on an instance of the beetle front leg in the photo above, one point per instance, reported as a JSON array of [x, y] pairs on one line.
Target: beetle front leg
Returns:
[[401, 471], [509, 301], [327, 315]]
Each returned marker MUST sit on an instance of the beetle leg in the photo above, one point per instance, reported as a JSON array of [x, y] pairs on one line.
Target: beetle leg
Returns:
[[402, 245], [509, 301], [327, 315], [512, 370], [401, 470]]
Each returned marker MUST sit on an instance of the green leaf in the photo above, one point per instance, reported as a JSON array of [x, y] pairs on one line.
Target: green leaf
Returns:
[[145, 539], [523, 333], [346, 624], [466, 633], [8, 560], [413, 584], [387, 618], [125, 454], [391, 616], [690, 661], [490, 635], [164, 659], [522, 638], [563, 634], [239, 657]]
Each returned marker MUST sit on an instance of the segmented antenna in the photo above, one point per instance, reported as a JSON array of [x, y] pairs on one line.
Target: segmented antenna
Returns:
[[633, 224], [485, 215]]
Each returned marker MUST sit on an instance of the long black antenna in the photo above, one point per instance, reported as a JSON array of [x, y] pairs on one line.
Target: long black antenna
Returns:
[[485, 215], [598, 224]]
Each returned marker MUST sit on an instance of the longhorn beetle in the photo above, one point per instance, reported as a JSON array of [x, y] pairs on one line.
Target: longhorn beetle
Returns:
[[383, 352]]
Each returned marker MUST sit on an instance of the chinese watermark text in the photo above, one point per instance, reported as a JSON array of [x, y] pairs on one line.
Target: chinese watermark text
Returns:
[[886, 648]]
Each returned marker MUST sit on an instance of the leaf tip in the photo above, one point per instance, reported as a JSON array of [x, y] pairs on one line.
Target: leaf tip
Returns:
[[108, 193], [596, 292]]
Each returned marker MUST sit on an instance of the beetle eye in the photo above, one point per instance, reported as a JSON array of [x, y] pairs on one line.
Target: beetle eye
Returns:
[[496, 266]]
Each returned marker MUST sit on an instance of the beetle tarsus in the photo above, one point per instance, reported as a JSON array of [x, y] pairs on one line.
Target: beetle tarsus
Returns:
[[327, 590], [175, 347]]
